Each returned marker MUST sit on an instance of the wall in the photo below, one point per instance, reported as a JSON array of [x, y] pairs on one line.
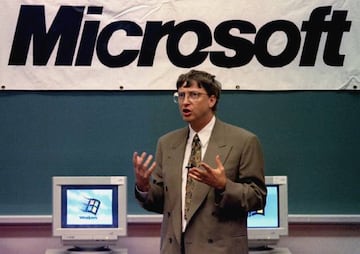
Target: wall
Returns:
[[144, 238], [310, 136]]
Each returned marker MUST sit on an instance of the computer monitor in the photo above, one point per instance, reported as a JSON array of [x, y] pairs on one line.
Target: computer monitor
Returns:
[[267, 225], [89, 212]]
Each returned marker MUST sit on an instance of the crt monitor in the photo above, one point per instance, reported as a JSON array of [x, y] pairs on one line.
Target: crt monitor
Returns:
[[89, 212], [267, 225]]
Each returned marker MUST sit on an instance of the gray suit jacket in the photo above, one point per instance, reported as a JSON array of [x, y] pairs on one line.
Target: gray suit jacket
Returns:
[[218, 221]]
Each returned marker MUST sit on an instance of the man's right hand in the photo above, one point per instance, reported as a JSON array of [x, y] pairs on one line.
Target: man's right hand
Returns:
[[143, 171]]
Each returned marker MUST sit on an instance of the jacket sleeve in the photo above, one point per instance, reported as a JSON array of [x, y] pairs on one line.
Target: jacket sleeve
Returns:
[[245, 189], [154, 199]]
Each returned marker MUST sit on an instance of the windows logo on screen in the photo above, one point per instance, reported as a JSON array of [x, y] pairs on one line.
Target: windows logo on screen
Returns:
[[92, 206], [260, 212]]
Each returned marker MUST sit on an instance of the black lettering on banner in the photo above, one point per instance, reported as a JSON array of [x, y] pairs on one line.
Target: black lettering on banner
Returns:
[[127, 56], [244, 49], [88, 38], [291, 49], [31, 25], [203, 33], [154, 32], [314, 29], [65, 31]]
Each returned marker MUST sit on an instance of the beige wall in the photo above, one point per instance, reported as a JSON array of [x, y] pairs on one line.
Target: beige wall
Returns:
[[144, 238]]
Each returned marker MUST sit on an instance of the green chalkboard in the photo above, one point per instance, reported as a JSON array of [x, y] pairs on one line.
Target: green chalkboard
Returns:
[[312, 137]]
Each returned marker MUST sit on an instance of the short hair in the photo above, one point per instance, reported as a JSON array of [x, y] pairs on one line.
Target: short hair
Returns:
[[204, 80]]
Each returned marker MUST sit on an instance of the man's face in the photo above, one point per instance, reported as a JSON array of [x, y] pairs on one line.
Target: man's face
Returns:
[[195, 105]]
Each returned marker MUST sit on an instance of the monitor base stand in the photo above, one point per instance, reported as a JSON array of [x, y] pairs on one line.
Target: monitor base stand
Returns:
[[263, 248], [82, 250], [86, 251], [269, 250]]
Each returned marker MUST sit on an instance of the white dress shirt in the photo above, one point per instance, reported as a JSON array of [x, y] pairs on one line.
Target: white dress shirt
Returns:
[[204, 136]]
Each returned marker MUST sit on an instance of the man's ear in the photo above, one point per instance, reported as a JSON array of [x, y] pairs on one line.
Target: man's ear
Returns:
[[212, 101]]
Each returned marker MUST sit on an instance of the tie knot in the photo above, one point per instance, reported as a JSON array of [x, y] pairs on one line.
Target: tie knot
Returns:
[[195, 155], [196, 139]]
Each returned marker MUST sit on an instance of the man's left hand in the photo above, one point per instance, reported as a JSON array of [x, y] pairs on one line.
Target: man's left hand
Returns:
[[214, 177]]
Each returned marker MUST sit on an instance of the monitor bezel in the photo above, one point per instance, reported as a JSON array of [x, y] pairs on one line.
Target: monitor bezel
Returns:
[[89, 236], [264, 236]]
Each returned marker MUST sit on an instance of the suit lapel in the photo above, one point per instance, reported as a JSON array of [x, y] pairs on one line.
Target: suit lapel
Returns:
[[176, 157], [216, 146]]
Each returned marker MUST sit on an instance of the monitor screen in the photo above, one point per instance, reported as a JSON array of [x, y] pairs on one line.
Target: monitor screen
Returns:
[[265, 226], [89, 211], [89, 206], [269, 216]]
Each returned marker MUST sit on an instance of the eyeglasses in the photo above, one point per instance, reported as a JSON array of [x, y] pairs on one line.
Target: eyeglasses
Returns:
[[192, 96]]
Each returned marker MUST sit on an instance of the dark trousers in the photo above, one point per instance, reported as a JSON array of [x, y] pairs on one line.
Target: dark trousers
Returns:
[[182, 244]]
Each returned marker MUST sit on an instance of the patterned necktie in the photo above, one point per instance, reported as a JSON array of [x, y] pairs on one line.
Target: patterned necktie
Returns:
[[194, 161]]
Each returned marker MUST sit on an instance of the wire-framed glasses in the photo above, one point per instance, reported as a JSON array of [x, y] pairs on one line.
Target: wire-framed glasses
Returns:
[[191, 96]]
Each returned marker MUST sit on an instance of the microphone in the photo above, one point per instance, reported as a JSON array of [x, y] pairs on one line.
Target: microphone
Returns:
[[189, 166]]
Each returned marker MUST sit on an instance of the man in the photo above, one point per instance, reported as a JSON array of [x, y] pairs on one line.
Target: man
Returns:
[[226, 184]]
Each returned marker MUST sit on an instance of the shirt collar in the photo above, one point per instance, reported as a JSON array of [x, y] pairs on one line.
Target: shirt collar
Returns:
[[204, 134]]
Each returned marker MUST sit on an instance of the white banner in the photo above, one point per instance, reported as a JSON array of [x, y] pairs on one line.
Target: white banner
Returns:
[[145, 45]]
